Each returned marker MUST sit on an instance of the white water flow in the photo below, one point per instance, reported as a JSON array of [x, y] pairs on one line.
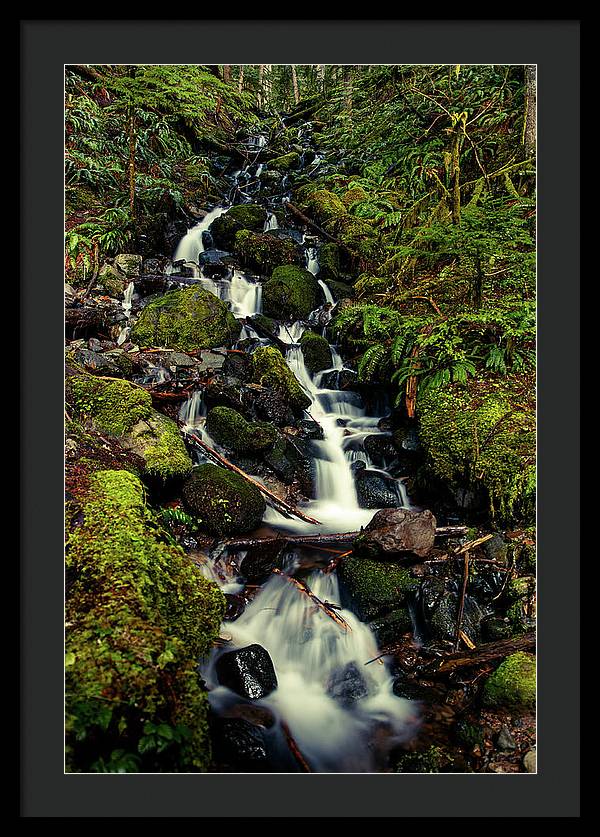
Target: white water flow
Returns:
[[191, 245], [271, 223], [338, 728], [126, 305]]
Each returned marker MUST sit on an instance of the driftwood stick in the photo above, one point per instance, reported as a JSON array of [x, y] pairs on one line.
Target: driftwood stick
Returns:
[[294, 749], [275, 501], [324, 606]]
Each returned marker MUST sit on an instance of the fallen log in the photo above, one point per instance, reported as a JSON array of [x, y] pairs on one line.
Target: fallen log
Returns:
[[324, 606], [338, 537], [479, 656], [306, 220], [275, 501]]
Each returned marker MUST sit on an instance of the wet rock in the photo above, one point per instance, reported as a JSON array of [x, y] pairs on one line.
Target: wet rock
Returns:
[[439, 605], [270, 370], [347, 685], [215, 263], [339, 379], [415, 689], [94, 345], [209, 361], [95, 362], [291, 293], [234, 606], [230, 428], [258, 716], [70, 294], [393, 531], [219, 393], [237, 365], [380, 448], [129, 264], [155, 265], [376, 491], [261, 560], [496, 549], [310, 429], [406, 439], [373, 589], [263, 252], [358, 465], [494, 628], [505, 741], [513, 684], [226, 503], [290, 460], [388, 629], [243, 217], [247, 671], [238, 746], [271, 405], [316, 351]]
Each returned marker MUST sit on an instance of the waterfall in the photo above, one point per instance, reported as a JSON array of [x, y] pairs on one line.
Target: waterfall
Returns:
[[126, 305], [191, 245], [271, 223]]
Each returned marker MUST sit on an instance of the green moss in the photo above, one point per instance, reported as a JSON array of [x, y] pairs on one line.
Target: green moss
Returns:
[[430, 760], [113, 406], [188, 319], [263, 252], [244, 217], [481, 440], [139, 613], [329, 262], [291, 293], [286, 162], [269, 325], [325, 207], [352, 196], [111, 281], [158, 441], [225, 502], [375, 588], [513, 684], [230, 428], [270, 370], [388, 629], [316, 351]]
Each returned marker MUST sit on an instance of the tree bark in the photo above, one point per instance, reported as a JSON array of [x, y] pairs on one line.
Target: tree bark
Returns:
[[530, 110], [132, 147], [295, 85], [259, 97], [241, 79], [226, 73]]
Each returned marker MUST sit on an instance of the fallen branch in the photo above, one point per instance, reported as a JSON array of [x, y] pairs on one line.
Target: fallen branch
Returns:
[[324, 606], [482, 654], [305, 219], [295, 750], [277, 503], [461, 604]]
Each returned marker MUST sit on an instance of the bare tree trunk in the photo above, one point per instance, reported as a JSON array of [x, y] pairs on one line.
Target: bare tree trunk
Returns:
[[259, 97], [241, 79], [348, 88], [530, 110], [459, 128], [295, 85], [226, 73], [132, 147], [321, 75], [267, 85]]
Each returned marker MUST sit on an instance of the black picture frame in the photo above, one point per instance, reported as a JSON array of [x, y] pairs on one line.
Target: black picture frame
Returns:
[[46, 45]]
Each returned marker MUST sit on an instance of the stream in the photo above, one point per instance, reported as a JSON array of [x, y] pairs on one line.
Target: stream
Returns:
[[342, 714]]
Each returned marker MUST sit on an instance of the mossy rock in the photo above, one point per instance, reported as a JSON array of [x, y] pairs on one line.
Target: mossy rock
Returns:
[[353, 196], [329, 262], [513, 684], [129, 264], [225, 502], [482, 441], [80, 198], [316, 351], [291, 293], [262, 252], [186, 319], [287, 162], [388, 629], [375, 588], [114, 407], [270, 370], [247, 216], [139, 614], [324, 206], [230, 428], [267, 324], [110, 281], [431, 760], [340, 290], [158, 441]]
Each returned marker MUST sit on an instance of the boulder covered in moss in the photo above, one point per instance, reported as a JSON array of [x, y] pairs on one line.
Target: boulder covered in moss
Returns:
[[159, 443], [316, 351], [477, 439], [291, 293], [287, 162], [513, 684], [128, 264], [263, 252], [270, 370], [225, 503], [230, 429], [324, 207], [111, 281], [139, 614], [247, 216], [186, 319], [373, 589], [329, 262]]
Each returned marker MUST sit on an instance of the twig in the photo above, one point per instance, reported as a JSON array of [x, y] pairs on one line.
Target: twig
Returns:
[[295, 750], [324, 606], [461, 605]]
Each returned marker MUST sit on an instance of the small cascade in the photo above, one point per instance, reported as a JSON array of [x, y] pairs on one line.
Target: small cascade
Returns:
[[271, 223], [126, 304]]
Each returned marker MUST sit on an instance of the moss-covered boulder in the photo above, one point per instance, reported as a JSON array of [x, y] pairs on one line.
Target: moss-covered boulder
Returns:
[[263, 252], [129, 264], [111, 281], [188, 319], [230, 429], [270, 370], [121, 409], [373, 589], [356, 234], [478, 437], [291, 293], [354, 196], [287, 162], [513, 684], [225, 503], [324, 206], [316, 351], [247, 216], [329, 262], [139, 614]]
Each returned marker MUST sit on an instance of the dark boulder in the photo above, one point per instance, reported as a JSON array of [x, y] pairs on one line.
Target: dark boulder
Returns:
[[238, 746], [260, 561], [380, 448], [393, 531], [373, 589], [247, 671], [439, 605], [347, 685], [376, 490], [271, 405]]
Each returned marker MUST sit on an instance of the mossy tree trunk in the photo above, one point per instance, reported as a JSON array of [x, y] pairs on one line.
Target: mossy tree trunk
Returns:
[[241, 79], [459, 121], [226, 73], [295, 85], [131, 134]]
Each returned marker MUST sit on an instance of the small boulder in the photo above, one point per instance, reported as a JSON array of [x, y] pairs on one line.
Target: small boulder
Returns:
[[393, 531], [347, 685], [129, 264], [248, 672], [226, 503], [513, 684], [291, 293]]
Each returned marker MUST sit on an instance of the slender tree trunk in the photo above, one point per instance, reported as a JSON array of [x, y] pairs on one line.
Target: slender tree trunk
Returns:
[[267, 85], [131, 134], [321, 76], [348, 88], [530, 110], [295, 85], [226, 73], [259, 97], [455, 166], [241, 79]]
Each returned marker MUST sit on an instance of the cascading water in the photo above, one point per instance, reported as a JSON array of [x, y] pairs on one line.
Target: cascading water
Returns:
[[192, 243], [314, 658], [127, 303]]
